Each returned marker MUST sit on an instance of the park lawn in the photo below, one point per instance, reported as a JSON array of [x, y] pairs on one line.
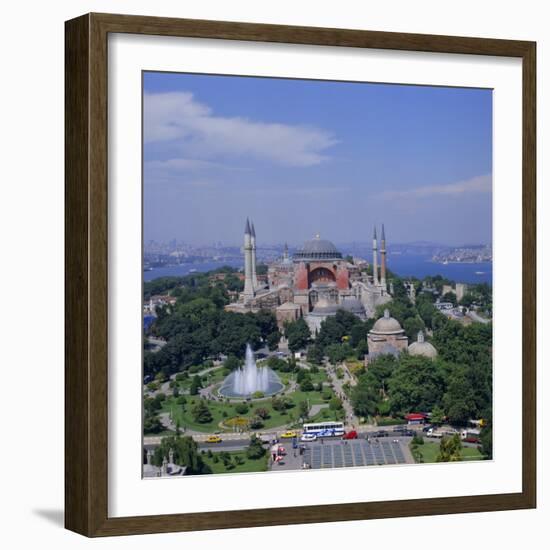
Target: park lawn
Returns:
[[185, 417], [217, 408], [320, 376], [327, 414], [257, 465], [215, 376], [430, 450], [471, 453]]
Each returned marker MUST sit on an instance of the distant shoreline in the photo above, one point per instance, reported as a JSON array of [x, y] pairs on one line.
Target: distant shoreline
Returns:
[[402, 265]]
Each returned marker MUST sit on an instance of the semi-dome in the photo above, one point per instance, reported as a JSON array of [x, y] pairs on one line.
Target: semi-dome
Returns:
[[386, 325], [423, 348], [318, 249]]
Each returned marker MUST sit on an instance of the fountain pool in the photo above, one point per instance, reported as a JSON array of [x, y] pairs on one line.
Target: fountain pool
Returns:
[[249, 379]]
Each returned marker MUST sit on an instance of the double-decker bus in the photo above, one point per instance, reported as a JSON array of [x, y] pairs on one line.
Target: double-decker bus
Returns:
[[325, 429]]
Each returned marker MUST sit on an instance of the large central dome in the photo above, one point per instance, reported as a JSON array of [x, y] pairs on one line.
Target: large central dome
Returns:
[[318, 249]]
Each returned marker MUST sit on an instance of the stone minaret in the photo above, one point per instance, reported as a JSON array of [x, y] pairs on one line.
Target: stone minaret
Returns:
[[374, 258], [253, 243], [383, 260], [248, 283], [285, 253]]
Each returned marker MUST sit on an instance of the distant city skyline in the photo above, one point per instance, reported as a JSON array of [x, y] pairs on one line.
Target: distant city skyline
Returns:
[[306, 157], [281, 244]]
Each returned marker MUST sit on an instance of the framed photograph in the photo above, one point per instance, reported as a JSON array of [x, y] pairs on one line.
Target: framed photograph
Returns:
[[300, 275]]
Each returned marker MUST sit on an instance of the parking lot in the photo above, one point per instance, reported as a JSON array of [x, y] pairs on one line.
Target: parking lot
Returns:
[[359, 452]]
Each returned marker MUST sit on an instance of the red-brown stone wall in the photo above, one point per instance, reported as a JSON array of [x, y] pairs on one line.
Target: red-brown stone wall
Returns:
[[301, 277]]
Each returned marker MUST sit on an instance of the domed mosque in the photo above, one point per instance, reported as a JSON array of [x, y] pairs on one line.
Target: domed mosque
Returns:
[[386, 337], [314, 283], [423, 348]]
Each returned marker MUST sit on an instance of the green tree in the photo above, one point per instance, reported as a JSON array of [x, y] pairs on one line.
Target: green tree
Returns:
[[152, 424], [232, 363], [337, 353], [315, 354], [201, 413], [298, 334], [412, 326], [273, 340], [303, 409], [262, 412], [281, 404], [343, 324], [459, 399], [486, 437], [335, 404], [241, 408], [365, 396], [255, 423], [450, 449], [185, 453], [196, 385], [417, 384], [437, 415], [255, 449], [450, 297]]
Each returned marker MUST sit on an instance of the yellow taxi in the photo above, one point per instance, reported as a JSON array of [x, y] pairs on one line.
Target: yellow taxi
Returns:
[[289, 435], [213, 439]]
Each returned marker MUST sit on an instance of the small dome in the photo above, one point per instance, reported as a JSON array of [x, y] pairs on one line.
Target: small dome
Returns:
[[318, 249], [423, 348], [387, 325]]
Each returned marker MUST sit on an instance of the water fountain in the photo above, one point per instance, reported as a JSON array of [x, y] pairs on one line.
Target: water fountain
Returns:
[[247, 380]]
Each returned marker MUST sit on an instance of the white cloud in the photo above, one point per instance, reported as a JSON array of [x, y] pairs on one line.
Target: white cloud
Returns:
[[477, 184], [178, 117], [188, 165]]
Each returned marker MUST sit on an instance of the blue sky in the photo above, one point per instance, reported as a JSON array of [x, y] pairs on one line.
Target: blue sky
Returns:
[[303, 157]]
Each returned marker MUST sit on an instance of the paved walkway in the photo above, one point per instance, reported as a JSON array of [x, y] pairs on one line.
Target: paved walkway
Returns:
[[350, 419]]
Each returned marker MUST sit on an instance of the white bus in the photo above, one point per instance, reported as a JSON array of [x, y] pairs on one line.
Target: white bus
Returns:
[[325, 429]]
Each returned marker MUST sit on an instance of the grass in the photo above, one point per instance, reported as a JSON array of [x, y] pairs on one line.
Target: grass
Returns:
[[430, 450], [257, 465], [327, 414], [221, 410], [217, 409]]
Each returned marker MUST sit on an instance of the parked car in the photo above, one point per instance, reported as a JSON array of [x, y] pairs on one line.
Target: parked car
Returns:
[[213, 439], [289, 434], [308, 437], [350, 435]]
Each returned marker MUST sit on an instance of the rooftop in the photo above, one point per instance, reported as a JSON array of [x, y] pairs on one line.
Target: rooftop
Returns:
[[317, 249]]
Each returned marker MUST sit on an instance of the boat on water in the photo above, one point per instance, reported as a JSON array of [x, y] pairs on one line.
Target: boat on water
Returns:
[[192, 270], [480, 272]]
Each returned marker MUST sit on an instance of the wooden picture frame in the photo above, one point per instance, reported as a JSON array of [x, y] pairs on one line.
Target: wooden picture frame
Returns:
[[86, 230]]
